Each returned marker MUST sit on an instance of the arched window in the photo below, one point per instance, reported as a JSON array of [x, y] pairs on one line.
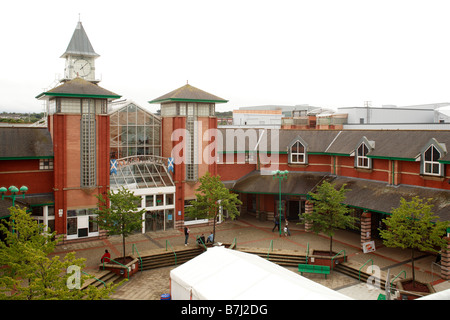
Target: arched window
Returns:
[[430, 161], [297, 153], [361, 156]]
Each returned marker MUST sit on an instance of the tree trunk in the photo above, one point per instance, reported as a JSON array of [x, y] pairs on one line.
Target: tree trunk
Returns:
[[331, 245], [214, 229], [412, 266], [123, 246]]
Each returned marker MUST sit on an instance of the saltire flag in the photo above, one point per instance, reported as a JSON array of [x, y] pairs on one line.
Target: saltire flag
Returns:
[[113, 166], [170, 164]]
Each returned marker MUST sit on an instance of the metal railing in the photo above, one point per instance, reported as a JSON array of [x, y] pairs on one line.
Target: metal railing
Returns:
[[233, 243], [125, 267], [204, 245], [439, 266], [270, 248], [139, 256], [332, 264], [307, 252], [403, 271], [94, 278], [363, 267], [175, 254]]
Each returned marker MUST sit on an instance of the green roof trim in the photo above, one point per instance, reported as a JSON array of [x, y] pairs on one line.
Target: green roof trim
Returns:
[[372, 210], [26, 158], [42, 204], [254, 151], [329, 154], [391, 158], [274, 193], [76, 95], [187, 100]]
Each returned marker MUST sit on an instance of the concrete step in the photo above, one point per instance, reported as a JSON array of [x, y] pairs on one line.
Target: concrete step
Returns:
[[167, 258], [106, 276]]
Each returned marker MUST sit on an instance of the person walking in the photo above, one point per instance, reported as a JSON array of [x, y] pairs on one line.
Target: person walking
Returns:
[[186, 235], [286, 229], [276, 224]]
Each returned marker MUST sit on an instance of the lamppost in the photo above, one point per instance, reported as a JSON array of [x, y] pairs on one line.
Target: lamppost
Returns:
[[280, 175], [14, 192]]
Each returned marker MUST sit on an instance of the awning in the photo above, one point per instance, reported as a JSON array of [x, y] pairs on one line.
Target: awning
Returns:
[[381, 197], [376, 196], [297, 183]]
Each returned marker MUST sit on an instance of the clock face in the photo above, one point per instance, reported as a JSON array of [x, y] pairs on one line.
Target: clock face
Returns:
[[82, 67]]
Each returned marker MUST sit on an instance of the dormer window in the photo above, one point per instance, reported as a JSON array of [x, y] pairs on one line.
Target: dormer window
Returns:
[[361, 157], [361, 153], [297, 154], [430, 161], [430, 156]]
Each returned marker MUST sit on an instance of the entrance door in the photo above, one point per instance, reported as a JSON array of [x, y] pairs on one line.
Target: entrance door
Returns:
[[154, 220], [293, 210]]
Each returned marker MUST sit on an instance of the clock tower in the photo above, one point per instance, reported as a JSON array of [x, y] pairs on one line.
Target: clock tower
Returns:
[[80, 57], [78, 122]]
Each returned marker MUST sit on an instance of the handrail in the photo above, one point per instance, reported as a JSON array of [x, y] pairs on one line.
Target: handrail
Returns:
[[332, 265], [134, 247], [199, 238], [128, 271], [363, 267], [403, 271], [440, 266], [233, 243], [168, 242], [270, 247], [307, 252], [94, 278]]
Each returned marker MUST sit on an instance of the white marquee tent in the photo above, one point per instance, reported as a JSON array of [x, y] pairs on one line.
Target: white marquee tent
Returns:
[[225, 274]]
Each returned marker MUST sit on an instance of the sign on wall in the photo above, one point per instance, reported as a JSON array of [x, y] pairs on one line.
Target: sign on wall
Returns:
[[368, 246]]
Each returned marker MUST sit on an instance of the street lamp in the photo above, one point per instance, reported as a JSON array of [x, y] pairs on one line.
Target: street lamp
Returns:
[[14, 192], [280, 175]]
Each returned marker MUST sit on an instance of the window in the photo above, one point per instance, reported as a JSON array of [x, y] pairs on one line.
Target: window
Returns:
[[82, 223], [430, 163], [297, 153], [191, 145], [361, 156], [134, 132], [46, 164]]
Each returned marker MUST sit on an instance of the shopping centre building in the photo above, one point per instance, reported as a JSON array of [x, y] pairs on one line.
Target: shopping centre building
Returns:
[[94, 141]]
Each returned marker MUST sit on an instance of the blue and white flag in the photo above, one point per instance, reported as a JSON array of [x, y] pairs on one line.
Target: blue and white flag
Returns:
[[112, 166], [170, 164]]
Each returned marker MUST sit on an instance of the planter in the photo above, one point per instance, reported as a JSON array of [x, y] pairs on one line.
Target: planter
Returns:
[[324, 258], [126, 267], [408, 292]]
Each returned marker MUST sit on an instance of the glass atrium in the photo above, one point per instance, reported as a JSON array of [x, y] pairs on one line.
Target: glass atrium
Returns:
[[136, 163]]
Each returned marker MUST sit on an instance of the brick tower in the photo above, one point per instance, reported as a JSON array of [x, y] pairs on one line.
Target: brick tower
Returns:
[[188, 129]]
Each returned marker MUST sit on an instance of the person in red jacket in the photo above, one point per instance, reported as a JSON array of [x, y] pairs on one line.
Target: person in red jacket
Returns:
[[106, 257]]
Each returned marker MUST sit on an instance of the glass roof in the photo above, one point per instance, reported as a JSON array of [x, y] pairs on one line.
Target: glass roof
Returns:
[[141, 172]]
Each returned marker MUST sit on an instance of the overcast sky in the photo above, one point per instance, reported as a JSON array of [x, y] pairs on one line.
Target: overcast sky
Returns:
[[325, 53]]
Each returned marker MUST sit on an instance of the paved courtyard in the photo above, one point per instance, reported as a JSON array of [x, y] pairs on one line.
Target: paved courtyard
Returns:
[[252, 233]]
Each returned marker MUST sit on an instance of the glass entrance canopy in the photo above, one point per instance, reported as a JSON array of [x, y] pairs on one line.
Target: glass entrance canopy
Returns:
[[140, 172]]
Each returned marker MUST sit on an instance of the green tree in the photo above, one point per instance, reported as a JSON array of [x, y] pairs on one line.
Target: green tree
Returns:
[[119, 214], [29, 273], [413, 226], [210, 196], [330, 212]]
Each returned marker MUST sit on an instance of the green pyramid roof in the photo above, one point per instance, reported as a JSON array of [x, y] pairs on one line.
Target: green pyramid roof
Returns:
[[189, 93]]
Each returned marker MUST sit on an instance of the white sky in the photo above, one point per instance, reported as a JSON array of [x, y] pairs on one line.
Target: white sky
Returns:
[[325, 53]]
